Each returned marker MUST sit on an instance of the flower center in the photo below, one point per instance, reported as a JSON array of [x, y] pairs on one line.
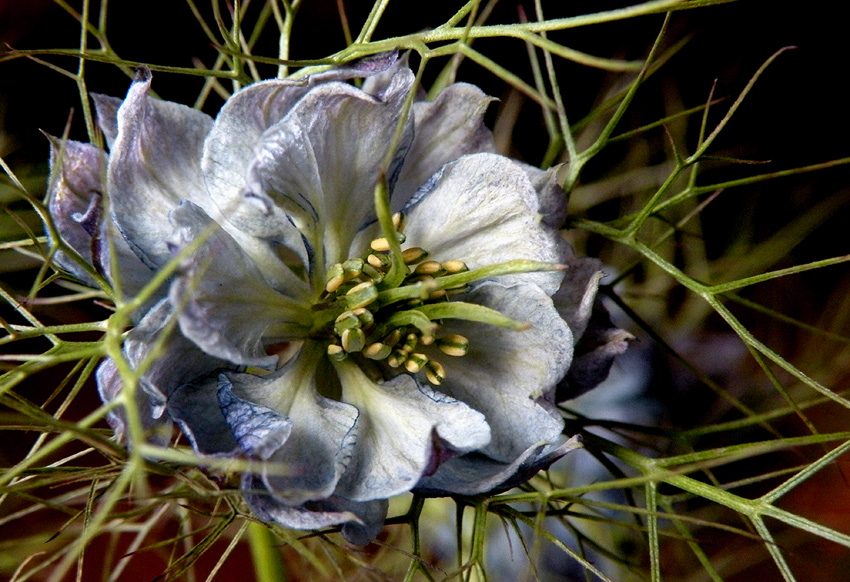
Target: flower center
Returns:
[[383, 327]]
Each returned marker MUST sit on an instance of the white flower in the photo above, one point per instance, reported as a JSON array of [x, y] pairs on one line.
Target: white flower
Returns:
[[296, 340]]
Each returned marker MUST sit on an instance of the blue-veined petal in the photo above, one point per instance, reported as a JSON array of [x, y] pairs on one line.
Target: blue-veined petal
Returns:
[[476, 474], [360, 521], [323, 431]]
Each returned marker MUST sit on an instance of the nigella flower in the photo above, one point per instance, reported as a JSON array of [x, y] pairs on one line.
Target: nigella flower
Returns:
[[361, 351]]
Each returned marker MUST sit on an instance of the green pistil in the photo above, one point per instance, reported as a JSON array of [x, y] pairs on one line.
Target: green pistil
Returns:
[[381, 309]]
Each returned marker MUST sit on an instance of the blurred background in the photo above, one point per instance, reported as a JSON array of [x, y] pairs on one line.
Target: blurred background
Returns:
[[688, 365]]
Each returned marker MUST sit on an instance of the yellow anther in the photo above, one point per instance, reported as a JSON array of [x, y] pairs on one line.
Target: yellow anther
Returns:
[[377, 351], [380, 244], [413, 255], [455, 266], [396, 358], [336, 353], [437, 294], [393, 338], [433, 268], [379, 262], [435, 372], [353, 340], [415, 362], [453, 345], [399, 221], [427, 340], [335, 278]]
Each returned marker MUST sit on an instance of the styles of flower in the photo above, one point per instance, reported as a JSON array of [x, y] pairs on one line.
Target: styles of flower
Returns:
[[367, 299]]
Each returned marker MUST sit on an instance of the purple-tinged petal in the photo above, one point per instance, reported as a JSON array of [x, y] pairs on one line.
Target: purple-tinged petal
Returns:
[[483, 210], [551, 197], [195, 407], [74, 200], [598, 341], [258, 429], [405, 429], [177, 359], [577, 295], [223, 302], [154, 164]]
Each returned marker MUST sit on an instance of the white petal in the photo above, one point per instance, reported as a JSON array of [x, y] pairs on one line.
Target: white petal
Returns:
[[106, 108], [224, 304], [510, 376], [482, 209], [321, 163], [154, 164], [405, 430]]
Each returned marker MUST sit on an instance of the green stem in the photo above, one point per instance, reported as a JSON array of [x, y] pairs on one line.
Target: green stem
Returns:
[[268, 566]]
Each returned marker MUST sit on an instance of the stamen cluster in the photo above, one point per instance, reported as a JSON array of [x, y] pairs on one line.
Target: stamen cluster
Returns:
[[386, 328]]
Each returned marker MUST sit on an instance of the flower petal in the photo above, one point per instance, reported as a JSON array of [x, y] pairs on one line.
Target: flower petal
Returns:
[[482, 209], [106, 108], [195, 407], [154, 164], [447, 128], [225, 305], [405, 430], [323, 431], [319, 166], [76, 187], [476, 474], [259, 430], [550, 195], [361, 521], [109, 384], [509, 376], [76, 206], [177, 362]]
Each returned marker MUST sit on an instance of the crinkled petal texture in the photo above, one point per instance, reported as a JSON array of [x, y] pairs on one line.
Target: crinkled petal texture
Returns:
[[251, 209], [483, 209]]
